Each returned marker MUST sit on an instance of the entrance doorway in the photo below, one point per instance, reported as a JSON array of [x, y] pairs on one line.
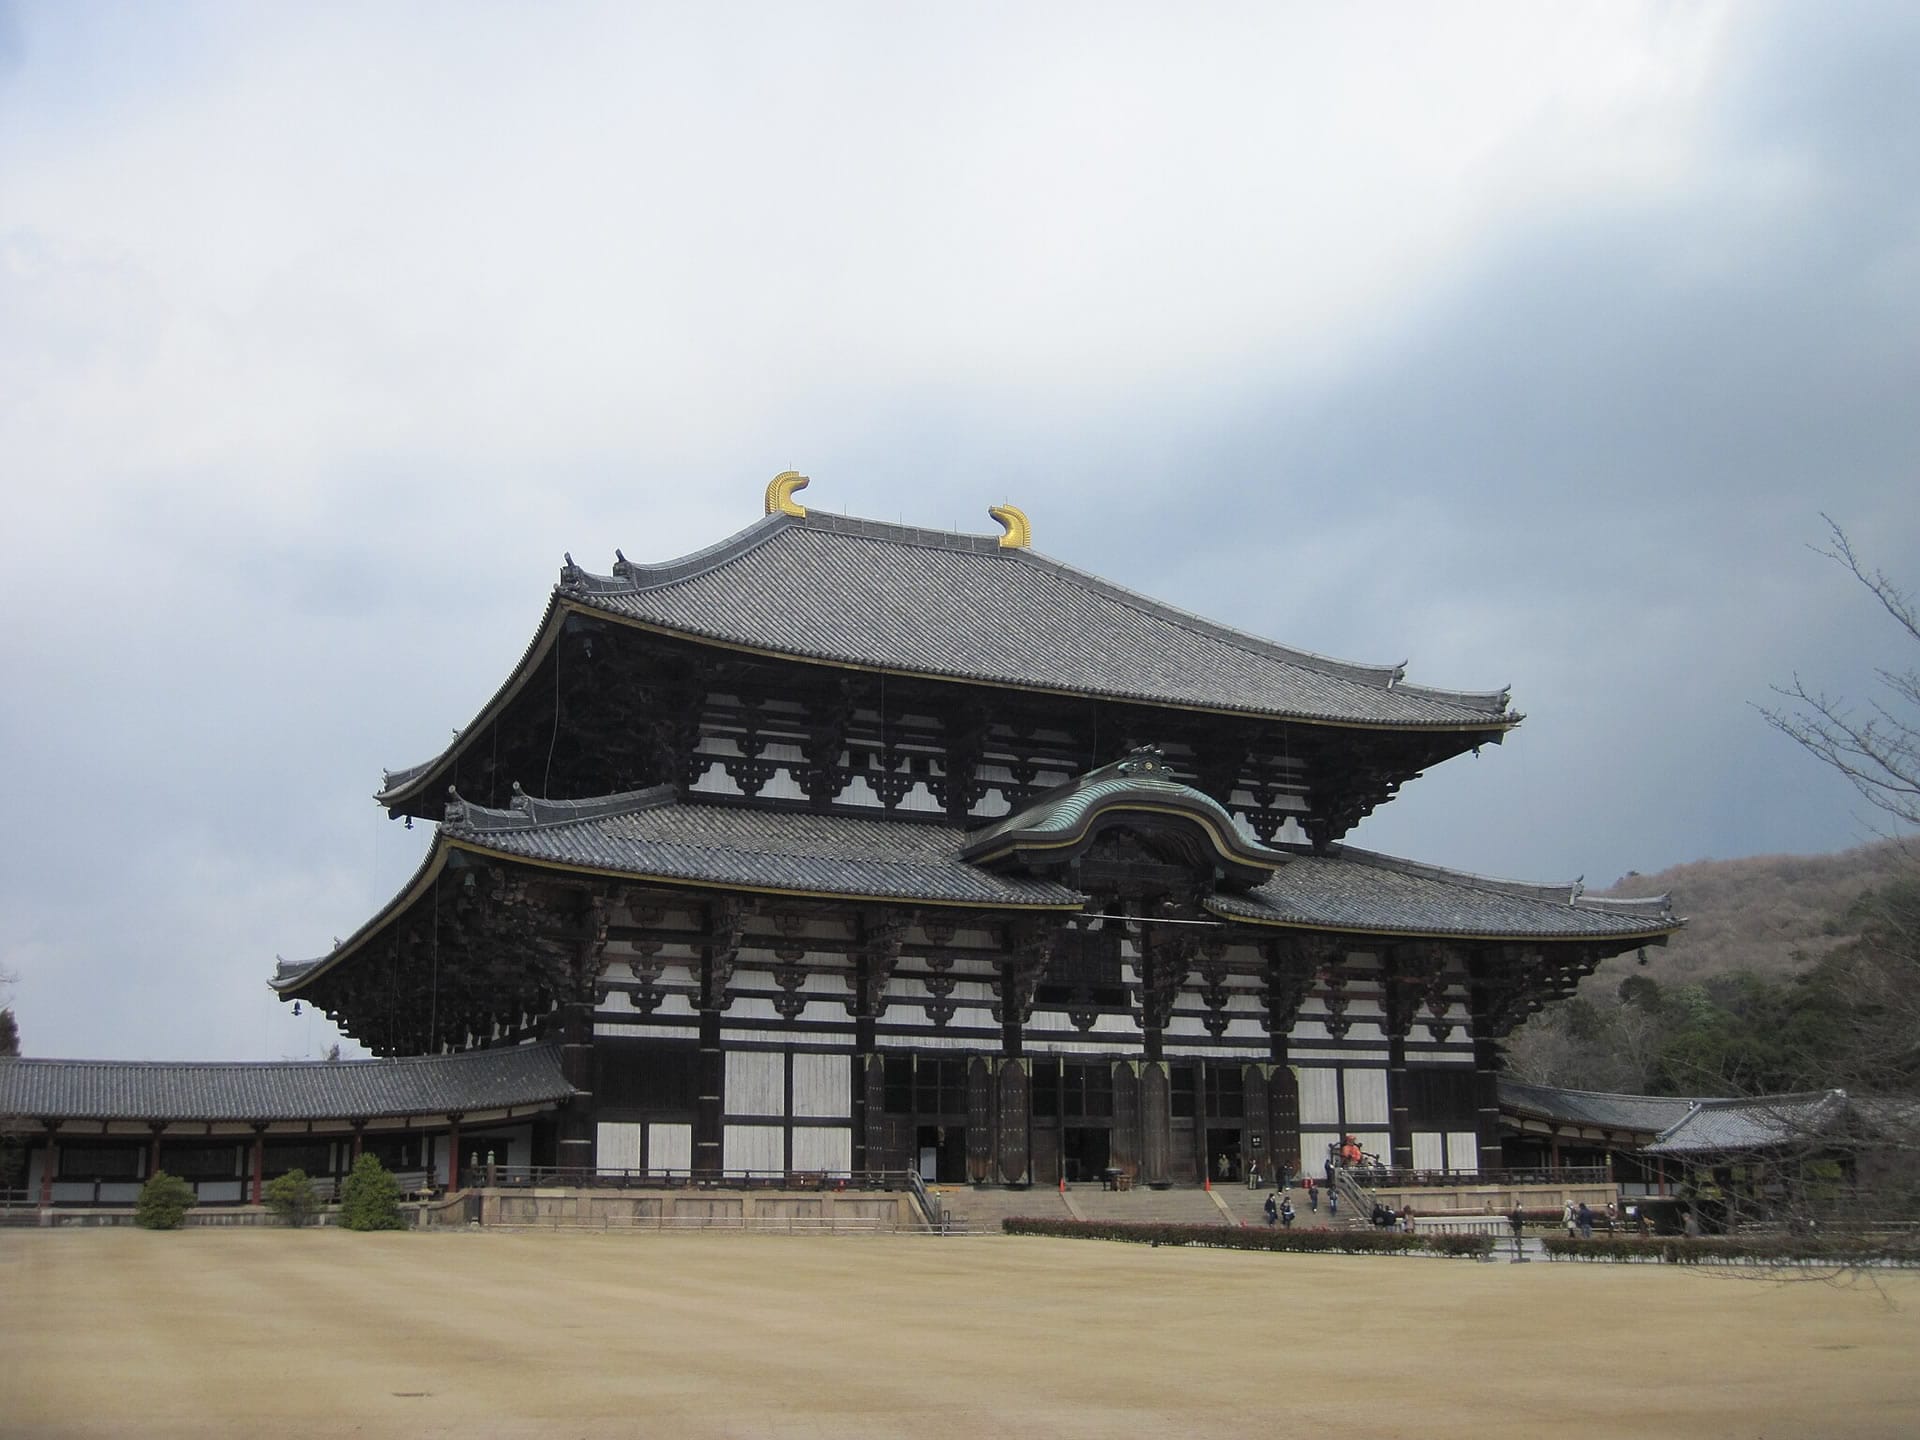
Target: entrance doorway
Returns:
[[1223, 1157], [1085, 1153], [942, 1154]]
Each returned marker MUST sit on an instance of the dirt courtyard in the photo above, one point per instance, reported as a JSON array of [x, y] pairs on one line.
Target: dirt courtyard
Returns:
[[321, 1333]]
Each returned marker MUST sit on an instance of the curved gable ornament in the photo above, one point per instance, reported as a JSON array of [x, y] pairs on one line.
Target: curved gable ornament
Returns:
[[1018, 530], [780, 490], [1140, 794]]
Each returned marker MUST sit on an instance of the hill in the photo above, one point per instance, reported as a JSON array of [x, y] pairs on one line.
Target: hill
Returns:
[[1772, 915]]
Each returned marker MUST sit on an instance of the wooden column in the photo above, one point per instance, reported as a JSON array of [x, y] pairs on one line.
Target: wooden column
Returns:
[[1399, 1116], [156, 1129], [577, 1135], [1486, 1085], [453, 1153], [49, 1163], [1156, 1123], [257, 1166]]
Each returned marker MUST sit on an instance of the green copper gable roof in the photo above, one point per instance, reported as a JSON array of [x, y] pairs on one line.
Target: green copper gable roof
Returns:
[[1065, 816]]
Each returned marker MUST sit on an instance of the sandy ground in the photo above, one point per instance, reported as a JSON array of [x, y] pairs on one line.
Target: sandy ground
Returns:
[[271, 1333]]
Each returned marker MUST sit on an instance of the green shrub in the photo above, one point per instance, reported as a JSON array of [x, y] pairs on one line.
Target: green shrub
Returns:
[[370, 1200], [291, 1197], [163, 1203], [1234, 1237]]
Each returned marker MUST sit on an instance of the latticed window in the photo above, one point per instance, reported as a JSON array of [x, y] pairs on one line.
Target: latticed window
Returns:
[[1226, 1093]]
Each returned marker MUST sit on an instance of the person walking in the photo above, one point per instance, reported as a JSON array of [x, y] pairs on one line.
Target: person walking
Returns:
[[1271, 1210], [1313, 1196], [1570, 1220], [1286, 1212], [1333, 1202], [1584, 1219]]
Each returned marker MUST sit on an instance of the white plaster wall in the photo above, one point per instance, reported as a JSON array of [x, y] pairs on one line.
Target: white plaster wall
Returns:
[[822, 1086], [1366, 1096], [756, 1083], [670, 1147], [826, 1148], [754, 1147], [1319, 1097], [1463, 1151], [1429, 1150], [617, 1145]]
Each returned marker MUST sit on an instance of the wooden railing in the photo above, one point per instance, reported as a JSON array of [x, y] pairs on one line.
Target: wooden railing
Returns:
[[655, 1178]]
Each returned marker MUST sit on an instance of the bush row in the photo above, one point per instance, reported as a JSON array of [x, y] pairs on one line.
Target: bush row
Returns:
[[1728, 1250], [1232, 1237]]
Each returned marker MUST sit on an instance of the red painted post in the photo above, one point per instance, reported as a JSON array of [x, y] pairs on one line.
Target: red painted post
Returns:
[[453, 1153], [259, 1162]]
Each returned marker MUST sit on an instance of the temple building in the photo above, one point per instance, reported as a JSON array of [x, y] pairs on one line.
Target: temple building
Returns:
[[846, 846]]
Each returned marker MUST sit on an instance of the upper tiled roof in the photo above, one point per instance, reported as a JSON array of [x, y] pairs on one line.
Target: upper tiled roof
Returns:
[[1357, 890], [282, 1090], [931, 602], [1640, 1114]]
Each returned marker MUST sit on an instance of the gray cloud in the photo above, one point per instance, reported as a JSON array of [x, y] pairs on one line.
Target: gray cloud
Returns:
[[1526, 351]]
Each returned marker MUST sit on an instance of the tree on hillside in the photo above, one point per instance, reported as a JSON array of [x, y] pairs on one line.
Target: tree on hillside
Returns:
[[1875, 747]]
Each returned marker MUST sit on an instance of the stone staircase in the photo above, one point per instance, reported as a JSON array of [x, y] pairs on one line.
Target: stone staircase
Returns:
[[1182, 1205], [980, 1211]]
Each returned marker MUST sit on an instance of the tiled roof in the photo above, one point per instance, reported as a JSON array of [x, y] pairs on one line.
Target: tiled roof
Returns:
[[521, 1075], [1358, 890], [646, 834], [1718, 1127], [1641, 1114], [930, 602]]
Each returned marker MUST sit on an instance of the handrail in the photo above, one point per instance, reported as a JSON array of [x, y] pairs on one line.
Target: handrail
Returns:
[[930, 1208], [671, 1178]]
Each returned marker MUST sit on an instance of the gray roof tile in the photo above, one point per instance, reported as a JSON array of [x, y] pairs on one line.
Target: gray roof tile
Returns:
[[281, 1089], [1358, 890], [646, 834], [829, 587], [1642, 1114], [1717, 1127]]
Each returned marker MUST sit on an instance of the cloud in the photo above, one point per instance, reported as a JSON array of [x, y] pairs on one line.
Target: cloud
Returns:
[[1522, 343]]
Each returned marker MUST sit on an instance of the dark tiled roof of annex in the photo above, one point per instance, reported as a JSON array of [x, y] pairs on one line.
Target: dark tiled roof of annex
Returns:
[[513, 1076], [861, 592], [1638, 1114]]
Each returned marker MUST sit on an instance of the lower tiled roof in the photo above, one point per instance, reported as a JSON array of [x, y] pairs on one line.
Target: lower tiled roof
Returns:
[[521, 1075], [1357, 890], [754, 849]]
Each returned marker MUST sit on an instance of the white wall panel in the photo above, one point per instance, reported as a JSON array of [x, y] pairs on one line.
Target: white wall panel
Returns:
[[1320, 1097], [756, 1082], [1429, 1150], [822, 1149], [1366, 1096], [822, 1086], [1463, 1151], [754, 1147], [670, 1147], [617, 1145]]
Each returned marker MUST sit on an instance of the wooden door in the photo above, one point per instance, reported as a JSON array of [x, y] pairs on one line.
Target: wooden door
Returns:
[[1283, 1117], [980, 1123], [1124, 1143], [1156, 1122], [1015, 1110]]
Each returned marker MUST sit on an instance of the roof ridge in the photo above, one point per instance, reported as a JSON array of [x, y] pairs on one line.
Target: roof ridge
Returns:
[[526, 811], [462, 1055]]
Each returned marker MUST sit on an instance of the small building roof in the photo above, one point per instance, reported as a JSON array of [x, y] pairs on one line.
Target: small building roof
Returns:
[[268, 1090], [1368, 893], [1638, 1114], [1719, 1127]]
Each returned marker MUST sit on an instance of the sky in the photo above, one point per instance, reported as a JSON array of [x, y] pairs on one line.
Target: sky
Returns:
[[1526, 344]]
